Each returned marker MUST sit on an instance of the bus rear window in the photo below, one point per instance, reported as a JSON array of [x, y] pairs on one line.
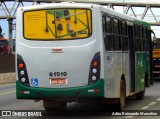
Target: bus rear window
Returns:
[[57, 24]]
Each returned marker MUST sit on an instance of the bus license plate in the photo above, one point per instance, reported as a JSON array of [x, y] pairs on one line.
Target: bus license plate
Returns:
[[58, 81]]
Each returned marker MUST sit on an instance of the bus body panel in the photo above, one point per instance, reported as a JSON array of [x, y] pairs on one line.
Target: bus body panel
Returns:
[[140, 71], [126, 72], [66, 94], [116, 64], [113, 73], [75, 61], [142, 67]]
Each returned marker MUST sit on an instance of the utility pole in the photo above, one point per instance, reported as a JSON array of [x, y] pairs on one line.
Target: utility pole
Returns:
[[10, 20]]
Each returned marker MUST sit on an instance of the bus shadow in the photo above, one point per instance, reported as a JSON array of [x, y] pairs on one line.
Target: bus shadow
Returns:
[[84, 110], [93, 110], [78, 113]]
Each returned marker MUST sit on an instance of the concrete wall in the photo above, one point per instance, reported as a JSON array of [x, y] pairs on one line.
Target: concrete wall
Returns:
[[7, 68]]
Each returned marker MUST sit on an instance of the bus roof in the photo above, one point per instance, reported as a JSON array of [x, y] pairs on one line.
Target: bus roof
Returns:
[[127, 17]]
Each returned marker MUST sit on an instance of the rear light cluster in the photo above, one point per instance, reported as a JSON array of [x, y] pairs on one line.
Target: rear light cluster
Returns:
[[22, 71], [94, 73]]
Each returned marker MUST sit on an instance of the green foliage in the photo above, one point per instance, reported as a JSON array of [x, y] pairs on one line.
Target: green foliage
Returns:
[[1, 36], [0, 30]]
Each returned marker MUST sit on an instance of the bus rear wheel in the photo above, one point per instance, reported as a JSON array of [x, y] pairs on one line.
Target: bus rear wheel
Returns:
[[52, 105], [121, 100]]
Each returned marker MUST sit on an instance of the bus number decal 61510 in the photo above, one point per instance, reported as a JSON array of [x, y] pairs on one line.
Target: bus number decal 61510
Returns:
[[57, 74]]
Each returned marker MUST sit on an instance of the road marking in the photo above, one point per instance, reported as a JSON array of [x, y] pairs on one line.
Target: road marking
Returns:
[[152, 103], [128, 117], [145, 107], [7, 93], [158, 99]]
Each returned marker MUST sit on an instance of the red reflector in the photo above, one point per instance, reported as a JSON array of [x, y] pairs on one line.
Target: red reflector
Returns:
[[96, 90], [21, 92], [95, 63], [57, 49]]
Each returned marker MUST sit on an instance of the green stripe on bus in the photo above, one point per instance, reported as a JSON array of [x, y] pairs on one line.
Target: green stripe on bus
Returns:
[[142, 66], [40, 93], [142, 23]]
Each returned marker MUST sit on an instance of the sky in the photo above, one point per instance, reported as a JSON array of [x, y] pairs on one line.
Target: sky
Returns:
[[4, 26], [5, 29], [4, 23]]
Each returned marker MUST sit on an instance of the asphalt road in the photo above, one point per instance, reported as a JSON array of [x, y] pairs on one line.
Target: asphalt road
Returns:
[[150, 102]]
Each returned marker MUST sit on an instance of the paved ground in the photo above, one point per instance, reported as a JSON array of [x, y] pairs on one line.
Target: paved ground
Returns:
[[151, 102]]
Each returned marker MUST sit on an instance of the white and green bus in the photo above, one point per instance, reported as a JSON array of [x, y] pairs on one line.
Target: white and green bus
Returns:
[[76, 52]]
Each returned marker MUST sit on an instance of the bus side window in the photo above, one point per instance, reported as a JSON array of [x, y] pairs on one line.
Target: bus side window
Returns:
[[117, 40], [141, 38], [146, 43], [109, 39], [124, 36], [107, 33], [136, 37], [104, 31], [108, 25], [104, 24]]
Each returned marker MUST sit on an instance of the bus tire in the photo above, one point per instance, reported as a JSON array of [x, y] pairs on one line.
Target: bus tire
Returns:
[[52, 105], [121, 100]]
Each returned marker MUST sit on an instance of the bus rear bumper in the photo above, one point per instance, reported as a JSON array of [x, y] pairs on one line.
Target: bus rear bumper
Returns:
[[25, 92]]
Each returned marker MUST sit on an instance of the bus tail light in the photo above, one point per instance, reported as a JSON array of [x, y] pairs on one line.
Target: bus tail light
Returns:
[[94, 73], [22, 71], [95, 63], [21, 65]]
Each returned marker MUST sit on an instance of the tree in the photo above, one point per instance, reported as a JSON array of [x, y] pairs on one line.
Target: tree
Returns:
[[1, 36]]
